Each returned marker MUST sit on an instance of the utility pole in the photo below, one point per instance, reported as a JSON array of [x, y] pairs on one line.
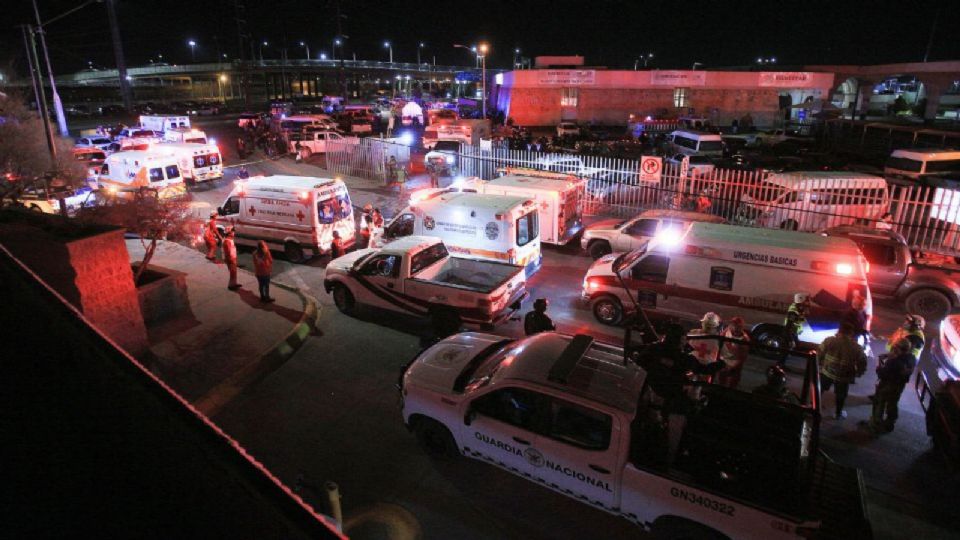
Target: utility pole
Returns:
[[57, 104], [341, 74], [41, 94], [118, 55], [933, 31]]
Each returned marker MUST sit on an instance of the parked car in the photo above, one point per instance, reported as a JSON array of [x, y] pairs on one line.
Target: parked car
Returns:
[[99, 142], [929, 290], [619, 236]]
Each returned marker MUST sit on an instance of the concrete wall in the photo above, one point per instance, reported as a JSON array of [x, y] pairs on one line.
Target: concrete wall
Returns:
[[92, 271]]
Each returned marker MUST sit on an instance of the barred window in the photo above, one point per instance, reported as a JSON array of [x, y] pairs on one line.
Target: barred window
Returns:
[[569, 97], [681, 97]]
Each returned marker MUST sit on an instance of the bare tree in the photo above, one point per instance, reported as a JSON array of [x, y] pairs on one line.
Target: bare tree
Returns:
[[146, 215]]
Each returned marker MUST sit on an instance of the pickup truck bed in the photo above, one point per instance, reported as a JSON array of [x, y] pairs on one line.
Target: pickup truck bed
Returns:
[[837, 495], [480, 276]]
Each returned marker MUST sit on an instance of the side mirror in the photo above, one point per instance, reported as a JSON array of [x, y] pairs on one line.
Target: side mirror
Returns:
[[469, 417]]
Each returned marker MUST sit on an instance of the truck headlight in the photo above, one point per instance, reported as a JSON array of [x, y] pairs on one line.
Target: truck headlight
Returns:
[[450, 159]]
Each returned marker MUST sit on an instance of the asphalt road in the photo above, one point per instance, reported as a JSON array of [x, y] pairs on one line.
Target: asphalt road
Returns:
[[331, 413]]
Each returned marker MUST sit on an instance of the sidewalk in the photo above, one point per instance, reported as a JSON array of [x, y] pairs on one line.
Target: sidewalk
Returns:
[[226, 339]]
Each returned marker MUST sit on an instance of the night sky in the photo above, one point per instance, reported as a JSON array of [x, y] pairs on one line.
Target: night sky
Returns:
[[608, 33]]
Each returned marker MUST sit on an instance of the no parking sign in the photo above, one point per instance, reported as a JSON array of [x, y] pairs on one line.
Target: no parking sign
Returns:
[[650, 168]]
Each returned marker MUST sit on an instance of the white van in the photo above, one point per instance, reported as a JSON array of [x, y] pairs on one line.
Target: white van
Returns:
[[695, 142], [198, 162], [290, 213], [733, 271], [185, 135], [922, 162], [128, 171], [816, 200], [162, 123], [493, 227]]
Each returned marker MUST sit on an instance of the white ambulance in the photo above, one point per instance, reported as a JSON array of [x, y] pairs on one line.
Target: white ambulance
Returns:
[[198, 162], [292, 214], [128, 171], [185, 135], [493, 227], [162, 123], [752, 273]]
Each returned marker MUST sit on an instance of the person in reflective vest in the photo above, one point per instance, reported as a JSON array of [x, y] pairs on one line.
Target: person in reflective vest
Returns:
[[842, 361], [893, 374], [794, 321], [211, 236], [911, 330]]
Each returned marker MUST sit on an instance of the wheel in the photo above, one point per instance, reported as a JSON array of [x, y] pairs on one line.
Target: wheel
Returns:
[[599, 248], [293, 252], [790, 225], [932, 305], [674, 528], [306, 152], [770, 336], [343, 298], [607, 309], [435, 439]]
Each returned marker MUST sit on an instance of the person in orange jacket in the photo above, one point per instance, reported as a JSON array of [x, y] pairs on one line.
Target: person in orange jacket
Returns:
[[230, 258], [211, 236], [263, 269]]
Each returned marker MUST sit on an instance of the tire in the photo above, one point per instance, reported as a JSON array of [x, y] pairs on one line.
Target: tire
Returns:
[[931, 304], [790, 225], [674, 528], [607, 309], [293, 252], [435, 439], [599, 248], [771, 336], [343, 299]]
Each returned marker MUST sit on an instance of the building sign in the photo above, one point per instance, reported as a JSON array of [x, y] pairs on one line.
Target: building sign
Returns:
[[786, 79], [566, 76], [678, 78]]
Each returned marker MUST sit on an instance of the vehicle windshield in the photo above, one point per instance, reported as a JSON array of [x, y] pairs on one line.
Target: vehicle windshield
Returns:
[[768, 192], [100, 141], [711, 146], [904, 164], [334, 209], [481, 369], [625, 260], [452, 146]]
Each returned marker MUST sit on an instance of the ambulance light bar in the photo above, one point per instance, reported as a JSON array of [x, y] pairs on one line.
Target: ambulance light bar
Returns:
[[843, 269]]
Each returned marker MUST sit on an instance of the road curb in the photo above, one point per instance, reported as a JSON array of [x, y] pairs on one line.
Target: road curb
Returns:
[[219, 396]]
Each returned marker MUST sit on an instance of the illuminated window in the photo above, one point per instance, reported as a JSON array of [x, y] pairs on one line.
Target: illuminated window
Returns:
[[569, 97], [681, 97]]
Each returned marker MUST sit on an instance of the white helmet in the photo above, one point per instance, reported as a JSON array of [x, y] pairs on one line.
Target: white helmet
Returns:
[[710, 319], [800, 297]]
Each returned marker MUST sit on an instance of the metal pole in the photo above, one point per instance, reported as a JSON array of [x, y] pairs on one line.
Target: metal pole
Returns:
[[42, 103], [118, 55], [57, 104], [33, 75], [484, 86]]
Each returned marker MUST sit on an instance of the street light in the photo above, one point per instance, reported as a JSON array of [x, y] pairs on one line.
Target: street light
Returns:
[[516, 56], [482, 49], [262, 45], [386, 45], [333, 52], [193, 47], [307, 47], [421, 46], [323, 56]]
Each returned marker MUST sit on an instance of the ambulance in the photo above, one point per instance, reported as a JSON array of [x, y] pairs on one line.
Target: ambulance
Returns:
[[752, 273], [493, 227], [293, 214], [185, 135], [126, 172], [198, 162], [163, 123]]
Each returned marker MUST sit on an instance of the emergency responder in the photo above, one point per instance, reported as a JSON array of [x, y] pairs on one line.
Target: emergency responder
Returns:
[[776, 386], [893, 374], [794, 321], [230, 258], [336, 246], [858, 317], [911, 330], [733, 354], [211, 237], [842, 360], [537, 320], [706, 350]]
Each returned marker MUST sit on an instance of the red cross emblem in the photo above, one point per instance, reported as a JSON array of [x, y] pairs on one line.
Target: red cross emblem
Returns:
[[253, 211], [300, 215]]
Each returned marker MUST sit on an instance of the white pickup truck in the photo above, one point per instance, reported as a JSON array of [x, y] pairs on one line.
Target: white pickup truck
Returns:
[[584, 419], [416, 275], [316, 142]]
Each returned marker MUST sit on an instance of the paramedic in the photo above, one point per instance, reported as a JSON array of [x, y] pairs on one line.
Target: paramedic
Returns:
[[211, 236], [796, 318], [893, 373], [842, 361], [537, 320], [911, 330], [733, 354]]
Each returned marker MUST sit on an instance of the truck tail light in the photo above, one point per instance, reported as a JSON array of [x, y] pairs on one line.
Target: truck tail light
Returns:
[[844, 269]]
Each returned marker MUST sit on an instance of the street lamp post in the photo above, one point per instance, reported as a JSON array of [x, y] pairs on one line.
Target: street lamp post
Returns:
[[193, 47], [333, 51], [482, 49], [419, 47], [262, 45], [307, 47], [516, 56], [386, 45]]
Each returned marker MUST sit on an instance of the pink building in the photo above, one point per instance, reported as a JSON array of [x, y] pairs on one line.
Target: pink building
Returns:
[[542, 97]]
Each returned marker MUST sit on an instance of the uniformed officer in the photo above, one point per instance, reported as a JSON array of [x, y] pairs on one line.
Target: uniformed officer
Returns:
[[537, 320], [796, 318]]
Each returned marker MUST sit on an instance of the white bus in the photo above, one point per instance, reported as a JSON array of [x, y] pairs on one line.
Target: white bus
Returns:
[[918, 163]]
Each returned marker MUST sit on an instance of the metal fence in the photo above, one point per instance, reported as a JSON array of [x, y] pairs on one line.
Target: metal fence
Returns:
[[927, 216]]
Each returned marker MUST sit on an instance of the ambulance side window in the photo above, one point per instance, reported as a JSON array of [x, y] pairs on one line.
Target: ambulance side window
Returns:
[[156, 174], [579, 426], [232, 206], [514, 406], [172, 172], [652, 268], [721, 278]]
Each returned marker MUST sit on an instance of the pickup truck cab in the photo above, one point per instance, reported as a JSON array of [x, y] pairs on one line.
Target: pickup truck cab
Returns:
[[617, 236], [417, 276], [582, 418], [316, 142], [929, 290]]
